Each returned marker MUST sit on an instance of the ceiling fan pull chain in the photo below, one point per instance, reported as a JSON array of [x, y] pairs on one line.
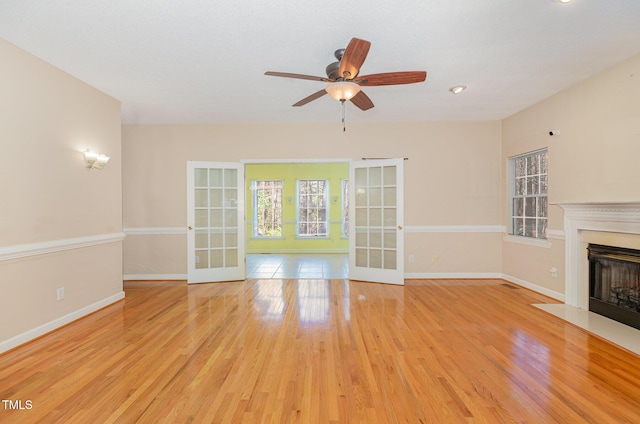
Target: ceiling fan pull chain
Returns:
[[344, 126]]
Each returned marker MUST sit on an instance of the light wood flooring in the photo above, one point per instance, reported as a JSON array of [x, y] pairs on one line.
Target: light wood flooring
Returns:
[[322, 351]]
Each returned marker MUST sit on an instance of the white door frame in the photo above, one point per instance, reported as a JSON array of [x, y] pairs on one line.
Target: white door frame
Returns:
[[369, 274]]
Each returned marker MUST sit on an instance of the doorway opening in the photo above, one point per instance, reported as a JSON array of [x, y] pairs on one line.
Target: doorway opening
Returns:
[[317, 223], [297, 219]]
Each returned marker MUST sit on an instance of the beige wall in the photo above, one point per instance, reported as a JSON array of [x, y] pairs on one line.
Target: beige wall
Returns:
[[453, 255], [452, 178], [593, 159], [49, 200]]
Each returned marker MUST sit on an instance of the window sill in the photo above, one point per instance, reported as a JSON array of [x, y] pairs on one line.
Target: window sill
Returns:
[[527, 241]]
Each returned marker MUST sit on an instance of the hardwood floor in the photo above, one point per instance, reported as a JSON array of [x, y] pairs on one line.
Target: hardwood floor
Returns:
[[321, 351]]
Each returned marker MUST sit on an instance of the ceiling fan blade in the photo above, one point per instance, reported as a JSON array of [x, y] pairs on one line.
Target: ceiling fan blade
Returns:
[[362, 101], [392, 78], [296, 76], [311, 98], [353, 58]]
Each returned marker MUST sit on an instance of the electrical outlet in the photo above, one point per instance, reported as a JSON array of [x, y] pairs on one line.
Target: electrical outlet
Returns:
[[60, 293], [554, 272], [434, 258], [411, 258]]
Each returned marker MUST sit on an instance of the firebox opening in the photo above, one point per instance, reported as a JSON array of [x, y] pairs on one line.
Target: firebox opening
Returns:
[[614, 283]]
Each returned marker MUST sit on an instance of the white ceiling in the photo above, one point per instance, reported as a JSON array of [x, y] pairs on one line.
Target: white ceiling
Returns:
[[203, 61]]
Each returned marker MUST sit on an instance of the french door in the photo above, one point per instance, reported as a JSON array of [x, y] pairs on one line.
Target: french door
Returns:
[[215, 222], [376, 239]]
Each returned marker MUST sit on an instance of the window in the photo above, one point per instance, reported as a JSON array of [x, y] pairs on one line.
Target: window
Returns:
[[345, 208], [312, 208], [267, 210], [529, 194]]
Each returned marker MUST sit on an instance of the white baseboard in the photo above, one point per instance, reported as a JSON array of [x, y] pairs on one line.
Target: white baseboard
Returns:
[[154, 277], [451, 275], [58, 322], [408, 275], [471, 275], [536, 288]]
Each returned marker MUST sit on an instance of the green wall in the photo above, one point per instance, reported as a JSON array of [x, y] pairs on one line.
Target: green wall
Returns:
[[289, 174]]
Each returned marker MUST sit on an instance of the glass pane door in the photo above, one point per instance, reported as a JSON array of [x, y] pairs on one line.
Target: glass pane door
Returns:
[[376, 206], [215, 237]]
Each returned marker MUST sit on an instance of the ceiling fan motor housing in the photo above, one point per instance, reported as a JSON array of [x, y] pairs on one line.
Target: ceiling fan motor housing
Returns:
[[333, 71]]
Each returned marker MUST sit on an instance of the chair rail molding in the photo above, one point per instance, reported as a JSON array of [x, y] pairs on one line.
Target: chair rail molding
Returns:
[[45, 247], [142, 231], [455, 228]]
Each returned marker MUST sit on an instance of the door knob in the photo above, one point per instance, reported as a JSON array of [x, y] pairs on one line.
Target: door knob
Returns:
[[190, 227], [399, 227]]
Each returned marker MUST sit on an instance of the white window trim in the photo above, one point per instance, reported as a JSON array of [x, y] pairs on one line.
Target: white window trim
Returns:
[[326, 202], [254, 218], [529, 241], [511, 175]]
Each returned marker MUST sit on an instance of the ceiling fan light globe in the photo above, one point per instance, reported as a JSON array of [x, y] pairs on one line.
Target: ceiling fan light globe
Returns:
[[343, 90]]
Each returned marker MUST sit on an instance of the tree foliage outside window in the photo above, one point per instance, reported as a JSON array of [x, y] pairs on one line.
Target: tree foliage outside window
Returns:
[[529, 202], [312, 208], [267, 195]]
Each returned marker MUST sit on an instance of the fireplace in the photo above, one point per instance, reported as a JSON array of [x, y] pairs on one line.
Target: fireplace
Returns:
[[614, 283], [612, 224], [611, 218]]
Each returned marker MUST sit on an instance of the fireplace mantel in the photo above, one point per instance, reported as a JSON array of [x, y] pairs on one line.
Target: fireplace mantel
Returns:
[[615, 217]]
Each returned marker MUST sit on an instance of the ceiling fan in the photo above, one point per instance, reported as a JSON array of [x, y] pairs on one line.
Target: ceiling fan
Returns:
[[343, 80]]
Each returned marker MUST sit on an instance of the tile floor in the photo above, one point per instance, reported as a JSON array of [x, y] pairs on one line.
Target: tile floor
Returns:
[[289, 265]]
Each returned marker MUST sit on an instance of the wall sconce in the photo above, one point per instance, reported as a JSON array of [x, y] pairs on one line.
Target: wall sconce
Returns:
[[95, 160]]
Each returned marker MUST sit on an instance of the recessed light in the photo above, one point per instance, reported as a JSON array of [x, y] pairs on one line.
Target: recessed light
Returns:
[[458, 89], [561, 1]]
